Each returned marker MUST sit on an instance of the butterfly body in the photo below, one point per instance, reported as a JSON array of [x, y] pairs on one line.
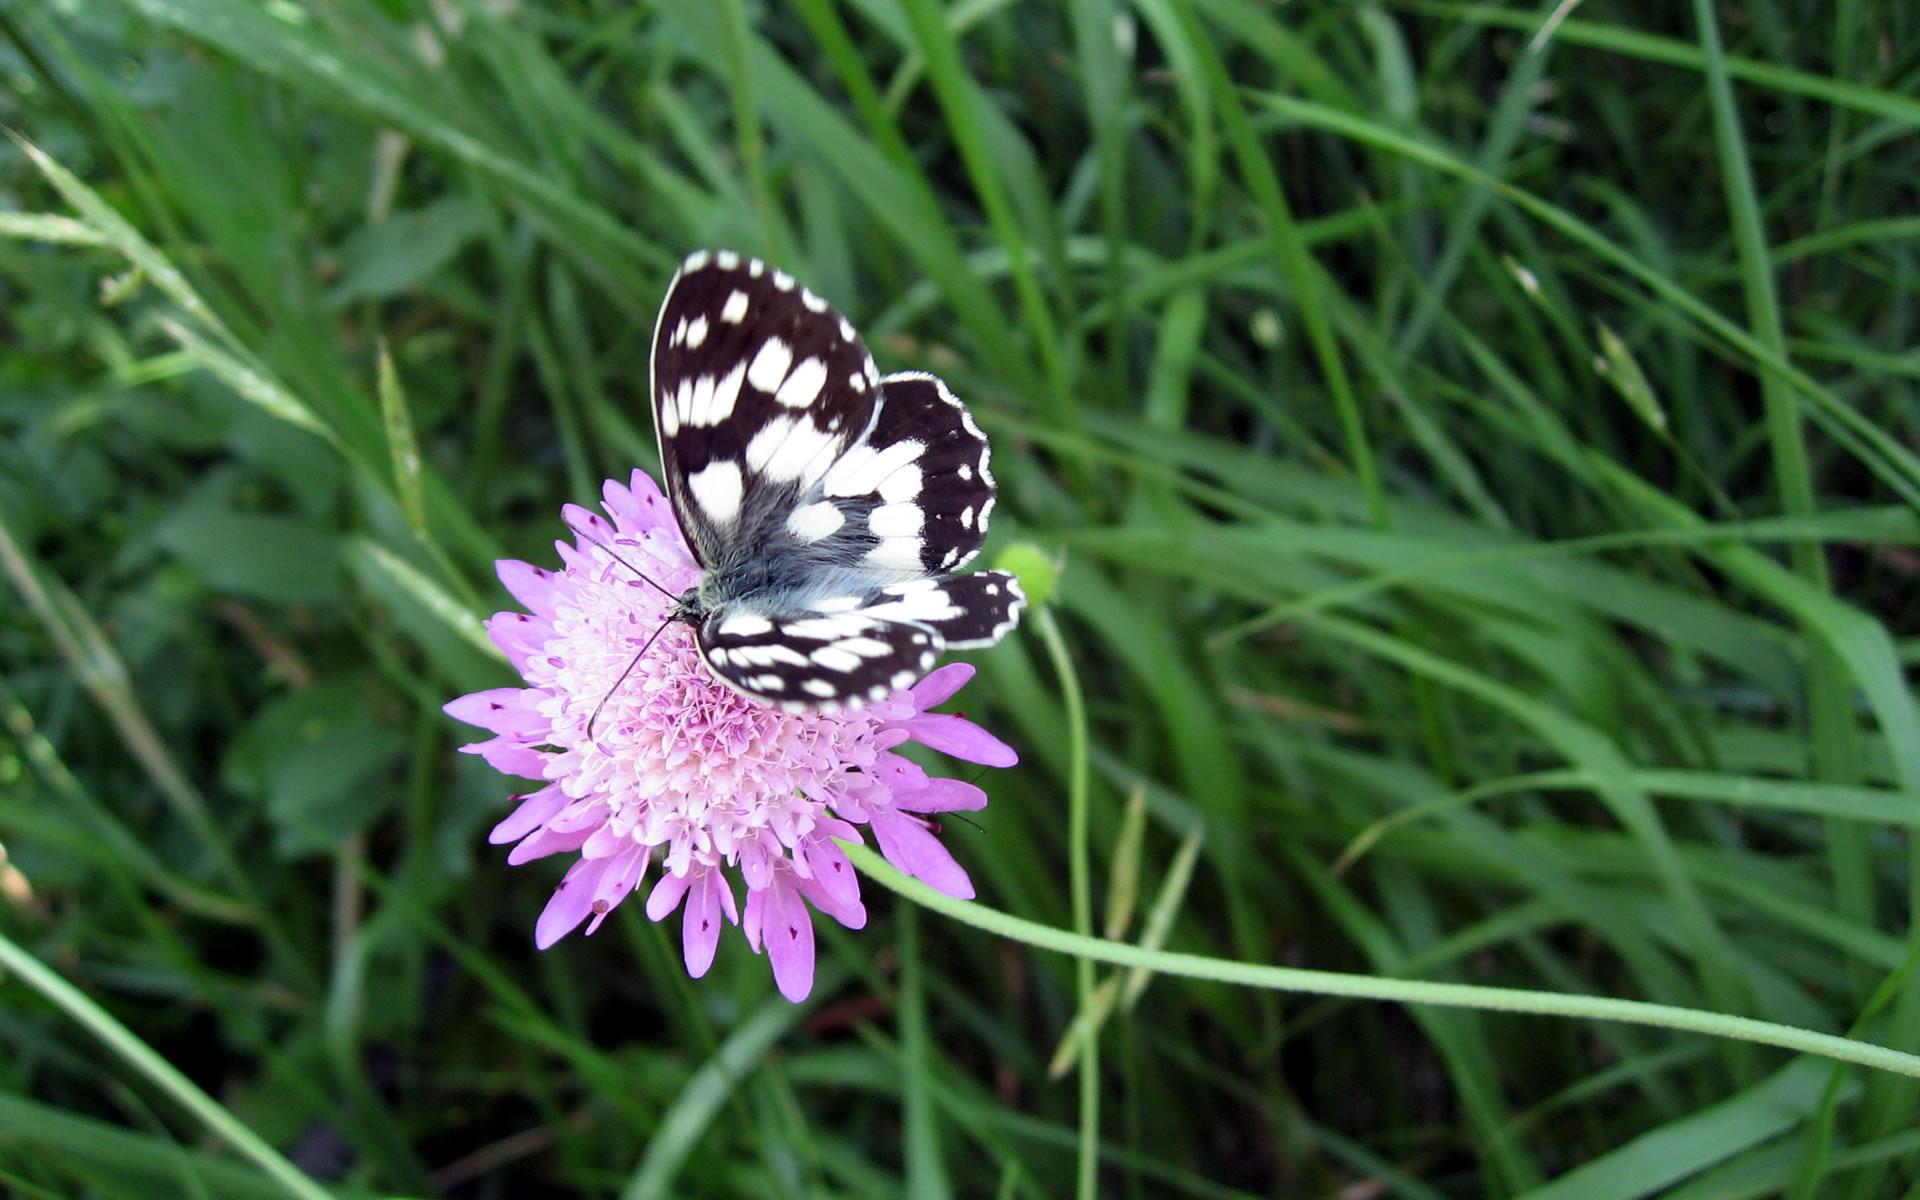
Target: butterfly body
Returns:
[[829, 508]]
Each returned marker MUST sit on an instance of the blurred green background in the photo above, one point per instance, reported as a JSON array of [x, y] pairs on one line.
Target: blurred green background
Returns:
[[1480, 445]]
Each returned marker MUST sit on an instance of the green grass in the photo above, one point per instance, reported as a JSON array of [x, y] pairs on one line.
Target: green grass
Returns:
[[1471, 747]]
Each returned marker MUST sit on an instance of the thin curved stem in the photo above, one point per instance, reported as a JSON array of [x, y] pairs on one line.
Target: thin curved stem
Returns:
[[1373, 987], [1079, 872]]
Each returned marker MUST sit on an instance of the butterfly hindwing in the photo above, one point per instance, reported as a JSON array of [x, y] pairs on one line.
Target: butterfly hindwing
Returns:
[[758, 388], [848, 649], [804, 659]]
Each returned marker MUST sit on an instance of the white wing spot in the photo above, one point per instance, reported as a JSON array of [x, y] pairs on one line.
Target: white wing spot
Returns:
[[768, 683], [770, 365], [966, 472], [811, 522], [952, 557], [829, 629], [719, 402], [903, 680], [834, 604], [901, 486], [792, 448], [756, 268], [696, 332], [783, 281], [920, 606], [818, 687], [803, 386], [899, 553], [679, 333], [812, 301], [727, 259], [746, 625], [862, 469], [835, 659], [846, 331], [717, 488], [735, 309], [696, 260], [966, 517], [857, 383], [895, 520]]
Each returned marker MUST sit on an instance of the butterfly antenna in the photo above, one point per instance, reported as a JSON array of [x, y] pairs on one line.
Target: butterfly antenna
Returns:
[[615, 555], [592, 720]]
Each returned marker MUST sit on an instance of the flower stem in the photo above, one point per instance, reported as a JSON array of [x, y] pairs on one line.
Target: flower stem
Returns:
[[144, 1059], [1079, 881], [1373, 987]]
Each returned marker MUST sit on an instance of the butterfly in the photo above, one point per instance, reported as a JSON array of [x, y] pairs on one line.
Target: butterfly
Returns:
[[829, 507]]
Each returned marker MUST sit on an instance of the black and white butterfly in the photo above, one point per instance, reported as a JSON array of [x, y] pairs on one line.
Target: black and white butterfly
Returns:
[[828, 506]]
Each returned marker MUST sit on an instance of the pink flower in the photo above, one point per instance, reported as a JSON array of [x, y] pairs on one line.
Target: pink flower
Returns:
[[683, 773]]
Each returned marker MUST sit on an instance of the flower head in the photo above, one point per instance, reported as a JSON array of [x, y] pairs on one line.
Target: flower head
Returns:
[[652, 761]]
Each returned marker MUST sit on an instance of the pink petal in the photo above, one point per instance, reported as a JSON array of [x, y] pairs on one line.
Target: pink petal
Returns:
[[533, 812], [789, 937], [519, 636], [909, 846], [665, 896], [532, 586], [827, 867], [499, 710], [511, 757], [899, 774], [700, 926], [542, 842], [961, 738], [942, 795], [571, 902], [852, 914], [637, 507], [618, 882], [587, 524], [939, 686]]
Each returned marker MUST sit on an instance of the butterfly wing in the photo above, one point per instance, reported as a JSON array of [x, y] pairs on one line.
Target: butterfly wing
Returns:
[[827, 505], [849, 650], [758, 387]]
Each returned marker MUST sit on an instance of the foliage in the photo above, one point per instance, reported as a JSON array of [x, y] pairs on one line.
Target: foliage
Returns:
[[1476, 445]]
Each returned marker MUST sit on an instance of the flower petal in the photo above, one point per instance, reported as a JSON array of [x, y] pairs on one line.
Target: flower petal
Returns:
[[534, 811], [909, 846], [942, 795], [700, 926], [499, 710], [961, 738], [788, 930], [617, 884], [519, 636], [542, 842], [532, 586], [940, 685], [510, 757], [852, 914], [637, 506], [827, 867], [665, 896], [571, 902]]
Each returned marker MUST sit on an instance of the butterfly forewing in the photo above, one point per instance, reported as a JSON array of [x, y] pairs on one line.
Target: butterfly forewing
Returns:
[[758, 387], [826, 505]]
